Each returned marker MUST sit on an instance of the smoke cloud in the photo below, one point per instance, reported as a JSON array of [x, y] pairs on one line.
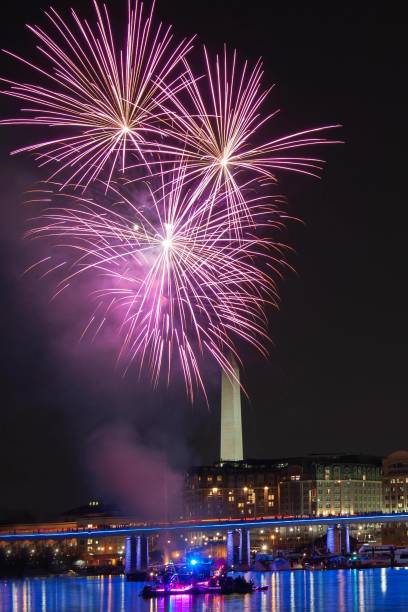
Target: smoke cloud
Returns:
[[132, 475]]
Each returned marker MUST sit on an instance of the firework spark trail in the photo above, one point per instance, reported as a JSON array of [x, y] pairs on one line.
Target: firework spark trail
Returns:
[[215, 134], [109, 99], [189, 266], [181, 287]]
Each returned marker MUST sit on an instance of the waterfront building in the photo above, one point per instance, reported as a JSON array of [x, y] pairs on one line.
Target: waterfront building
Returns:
[[231, 489], [395, 491], [331, 484], [316, 485], [395, 470]]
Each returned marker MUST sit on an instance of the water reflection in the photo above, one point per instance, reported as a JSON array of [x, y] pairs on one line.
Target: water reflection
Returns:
[[311, 591], [15, 597], [361, 591], [342, 585], [274, 593], [383, 580], [292, 591], [43, 597], [355, 589]]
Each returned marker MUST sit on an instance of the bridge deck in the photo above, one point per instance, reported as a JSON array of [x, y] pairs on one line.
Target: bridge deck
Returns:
[[198, 526]]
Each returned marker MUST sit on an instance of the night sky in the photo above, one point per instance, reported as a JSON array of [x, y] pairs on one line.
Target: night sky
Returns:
[[336, 378]]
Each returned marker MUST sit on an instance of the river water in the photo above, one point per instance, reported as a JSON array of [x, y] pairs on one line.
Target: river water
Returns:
[[311, 591]]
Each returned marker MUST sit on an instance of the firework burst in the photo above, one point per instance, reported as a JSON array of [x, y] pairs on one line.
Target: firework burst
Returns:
[[217, 126], [106, 102], [179, 284], [181, 259]]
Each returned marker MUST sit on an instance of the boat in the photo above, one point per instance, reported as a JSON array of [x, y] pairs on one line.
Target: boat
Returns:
[[383, 556], [161, 591], [400, 556], [178, 584]]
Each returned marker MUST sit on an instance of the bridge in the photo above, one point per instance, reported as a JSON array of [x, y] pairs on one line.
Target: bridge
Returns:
[[151, 529], [238, 535]]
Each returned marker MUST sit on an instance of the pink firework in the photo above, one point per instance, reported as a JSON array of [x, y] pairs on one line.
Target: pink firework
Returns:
[[219, 128], [105, 101], [184, 264], [172, 278]]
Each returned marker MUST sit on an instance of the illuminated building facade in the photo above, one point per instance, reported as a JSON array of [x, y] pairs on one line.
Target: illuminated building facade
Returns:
[[301, 486], [322, 485], [395, 469], [231, 489], [106, 552], [395, 483]]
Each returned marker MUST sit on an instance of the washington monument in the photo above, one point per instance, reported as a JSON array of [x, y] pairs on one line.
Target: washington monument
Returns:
[[231, 422]]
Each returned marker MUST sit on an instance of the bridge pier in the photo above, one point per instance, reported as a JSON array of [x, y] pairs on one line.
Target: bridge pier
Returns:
[[233, 545], [136, 557], [338, 539], [238, 548], [245, 548]]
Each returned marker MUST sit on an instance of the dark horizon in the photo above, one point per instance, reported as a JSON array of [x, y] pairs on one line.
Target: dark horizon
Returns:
[[336, 376]]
